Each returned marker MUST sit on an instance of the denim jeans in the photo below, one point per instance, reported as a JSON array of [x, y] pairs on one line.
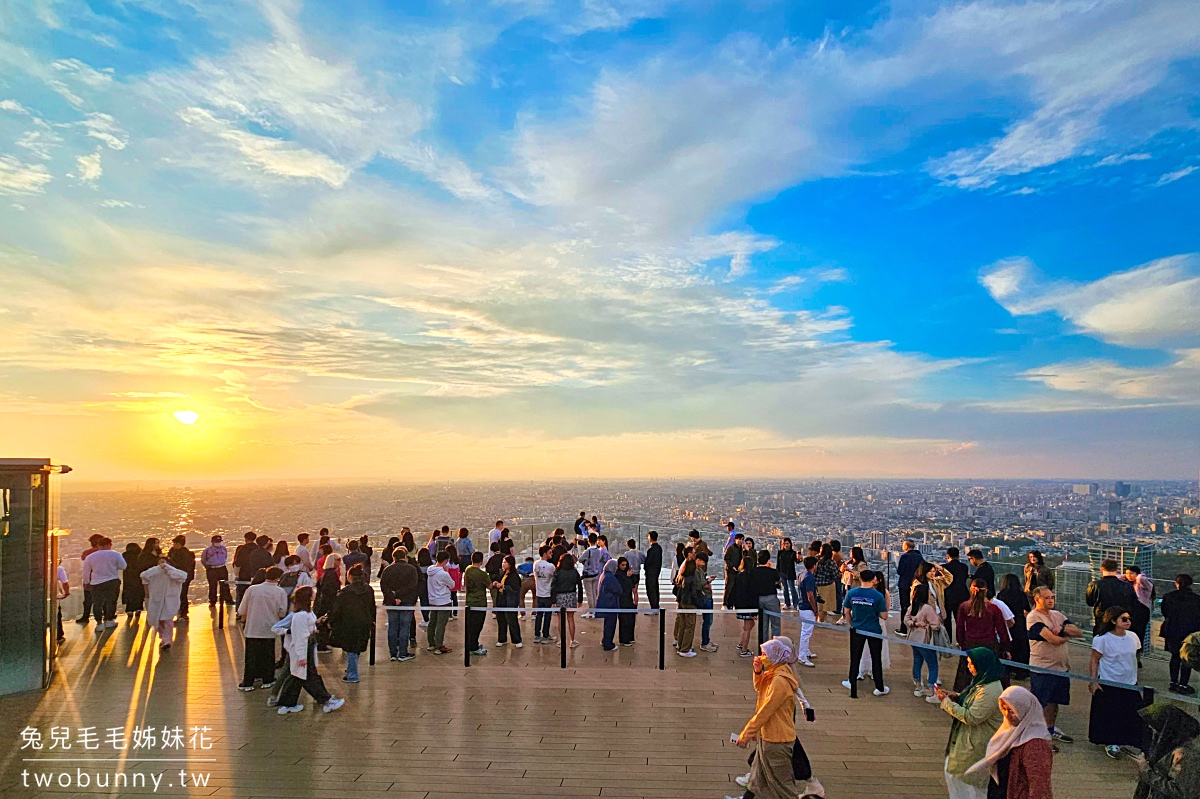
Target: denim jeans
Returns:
[[351, 665], [541, 621], [928, 657], [399, 631], [706, 627], [789, 593], [770, 604]]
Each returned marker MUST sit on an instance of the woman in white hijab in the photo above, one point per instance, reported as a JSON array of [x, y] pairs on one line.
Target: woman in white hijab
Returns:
[[163, 584], [1019, 758]]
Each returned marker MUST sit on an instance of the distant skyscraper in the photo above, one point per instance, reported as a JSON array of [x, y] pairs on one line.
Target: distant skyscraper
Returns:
[[1140, 555], [1114, 512], [1086, 489], [739, 498], [878, 540], [1071, 590], [1121, 489]]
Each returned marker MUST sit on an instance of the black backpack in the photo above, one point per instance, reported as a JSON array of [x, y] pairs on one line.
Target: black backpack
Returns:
[[288, 582]]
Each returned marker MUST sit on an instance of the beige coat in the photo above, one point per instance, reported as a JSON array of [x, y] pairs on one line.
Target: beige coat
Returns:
[[980, 716], [262, 606]]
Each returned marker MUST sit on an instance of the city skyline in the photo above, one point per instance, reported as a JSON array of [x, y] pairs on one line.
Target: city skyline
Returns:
[[600, 240]]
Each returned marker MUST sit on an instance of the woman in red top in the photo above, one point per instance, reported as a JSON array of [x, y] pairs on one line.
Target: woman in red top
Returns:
[[1019, 757], [979, 623]]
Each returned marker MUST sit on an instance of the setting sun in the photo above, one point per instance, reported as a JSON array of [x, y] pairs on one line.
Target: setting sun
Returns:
[[187, 417]]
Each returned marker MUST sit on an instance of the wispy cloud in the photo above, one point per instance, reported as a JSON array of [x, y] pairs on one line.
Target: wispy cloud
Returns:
[[1171, 177], [20, 178]]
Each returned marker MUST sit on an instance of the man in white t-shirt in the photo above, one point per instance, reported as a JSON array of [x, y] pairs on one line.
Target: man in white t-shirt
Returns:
[[543, 576], [1005, 611], [494, 535], [64, 591]]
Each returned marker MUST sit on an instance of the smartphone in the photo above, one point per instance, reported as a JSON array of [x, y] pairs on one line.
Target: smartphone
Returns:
[[810, 714], [733, 736]]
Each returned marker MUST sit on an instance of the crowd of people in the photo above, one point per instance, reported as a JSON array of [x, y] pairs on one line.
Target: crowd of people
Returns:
[[298, 601]]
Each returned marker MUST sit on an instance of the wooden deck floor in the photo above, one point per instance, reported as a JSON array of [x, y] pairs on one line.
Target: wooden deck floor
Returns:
[[610, 725]]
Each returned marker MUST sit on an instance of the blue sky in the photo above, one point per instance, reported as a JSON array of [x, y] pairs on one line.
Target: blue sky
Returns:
[[602, 238]]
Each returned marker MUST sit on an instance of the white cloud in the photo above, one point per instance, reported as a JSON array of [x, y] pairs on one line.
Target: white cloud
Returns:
[[1171, 177], [105, 128], [1116, 160], [20, 178], [273, 156], [1153, 305], [88, 168], [1176, 382]]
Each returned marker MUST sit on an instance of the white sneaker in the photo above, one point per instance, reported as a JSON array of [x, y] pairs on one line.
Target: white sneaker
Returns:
[[422, 624], [812, 788], [285, 709], [519, 646], [919, 691], [807, 662], [502, 643], [845, 683], [709, 647], [743, 780], [332, 705], [110, 624], [687, 653], [933, 700], [884, 692]]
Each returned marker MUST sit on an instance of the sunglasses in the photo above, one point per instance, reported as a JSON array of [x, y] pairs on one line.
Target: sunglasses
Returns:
[[1124, 618]]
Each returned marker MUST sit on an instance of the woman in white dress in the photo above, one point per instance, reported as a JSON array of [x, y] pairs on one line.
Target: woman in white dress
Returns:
[[163, 584]]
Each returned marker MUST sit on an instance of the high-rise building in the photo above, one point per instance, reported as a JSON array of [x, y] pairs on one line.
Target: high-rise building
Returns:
[[878, 540], [1140, 555], [1121, 489], [1071, 591], [739, 497], [1114, 512], [1086, 489]]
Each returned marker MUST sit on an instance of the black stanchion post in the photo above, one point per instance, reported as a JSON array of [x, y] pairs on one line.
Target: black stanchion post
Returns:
[[662, 640], [466, 624], [221, 608], [762, 628], [371, 657], [562, 638]]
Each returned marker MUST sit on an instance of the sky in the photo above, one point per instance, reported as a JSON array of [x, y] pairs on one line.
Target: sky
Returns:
[[527, 239]]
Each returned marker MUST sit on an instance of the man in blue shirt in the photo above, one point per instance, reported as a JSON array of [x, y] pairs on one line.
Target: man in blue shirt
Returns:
[[906, 572], [865, 609], [806, 587]]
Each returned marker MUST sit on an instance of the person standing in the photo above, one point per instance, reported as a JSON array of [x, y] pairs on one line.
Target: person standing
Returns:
[[1017, 601], [923, 621], [772, 728], [353, 618], [440, 584], [1108, 592], [653, 568], [543, 597], [1019, 758], [608, 598], [579, 526], [354, 557], [476, 582], [766, 586], [567, 588], [1049, 632], [508, 594], [745, 602], [183, 559], [216, 573], [704, 581], [977, 716], [733, 565], [980, 624], [305, 555], [399, 586], [240, 566], [133, 593], [62, 591], [593, 561], [636, 558], [1181, 617], [263, 606], [785, 564], [906, 570], [300, 641], [826, 576], [982, 570], [689, 598], [806, 600], [1036, 573], [93, 544], [959, 590], [1143, 589], [1114, 721], [498, 532], [465, 547], [864, 610], [162, 598], [102, 571]]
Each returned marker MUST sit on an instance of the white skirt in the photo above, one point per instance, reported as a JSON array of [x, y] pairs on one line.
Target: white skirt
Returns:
[[864, 665], [961, 790]]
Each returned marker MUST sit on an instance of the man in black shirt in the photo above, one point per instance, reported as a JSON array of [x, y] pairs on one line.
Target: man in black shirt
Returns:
[[653, 566], [959, 590], [906, 571], [257, 559], [239, 564], [765, 580], [183, 559], [1108, 592], [733, 561], [982, 571]]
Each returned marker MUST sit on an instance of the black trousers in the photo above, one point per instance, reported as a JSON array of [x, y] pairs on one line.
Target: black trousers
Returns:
[[652, 589], [1181, 672], [183, 598], [857, 642], [625, 623], [905, 601], [509, 627], [104, 600], [260, 661], [475, 620], [312, 682], [87, 603], [217, 575]]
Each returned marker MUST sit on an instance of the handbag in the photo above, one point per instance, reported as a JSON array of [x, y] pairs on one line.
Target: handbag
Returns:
[[940, 637]]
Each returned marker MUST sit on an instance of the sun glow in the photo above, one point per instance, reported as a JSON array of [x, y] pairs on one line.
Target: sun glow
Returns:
[[186, 417]]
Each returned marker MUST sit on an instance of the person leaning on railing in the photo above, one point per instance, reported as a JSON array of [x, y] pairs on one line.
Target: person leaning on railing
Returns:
[[1049, 633], [1181, 618], [980, 624]]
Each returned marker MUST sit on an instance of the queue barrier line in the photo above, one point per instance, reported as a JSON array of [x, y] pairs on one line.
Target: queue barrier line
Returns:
[[1144, 690]]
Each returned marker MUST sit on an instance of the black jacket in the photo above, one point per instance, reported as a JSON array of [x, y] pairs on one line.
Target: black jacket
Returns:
[[255, 559], [183, 559], [958, 591], [733, 557], [400, 584], [785, 562], [765, 580], [1181, 615], [745, 590], [984, 572], [653, 562], [566, 581], [1109, 592], [352, 617]]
